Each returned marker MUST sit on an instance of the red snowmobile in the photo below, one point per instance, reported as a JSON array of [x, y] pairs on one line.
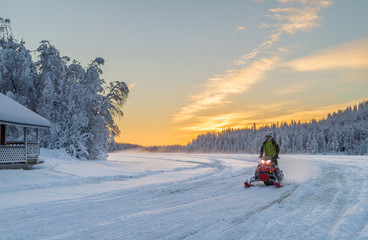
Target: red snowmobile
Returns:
[[268, 172]]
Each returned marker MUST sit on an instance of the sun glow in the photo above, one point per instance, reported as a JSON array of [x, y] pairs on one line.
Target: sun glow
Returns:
[[253, 119]]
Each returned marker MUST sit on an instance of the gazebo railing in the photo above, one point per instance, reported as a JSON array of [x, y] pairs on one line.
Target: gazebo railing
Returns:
[[32, 147], [13, 154], [17, 152]]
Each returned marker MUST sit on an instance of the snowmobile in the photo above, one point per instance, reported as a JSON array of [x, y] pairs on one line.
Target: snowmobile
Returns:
[[268, 172]]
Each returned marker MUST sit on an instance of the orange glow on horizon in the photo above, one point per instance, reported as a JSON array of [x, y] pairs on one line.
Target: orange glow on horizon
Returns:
[[185, 134]]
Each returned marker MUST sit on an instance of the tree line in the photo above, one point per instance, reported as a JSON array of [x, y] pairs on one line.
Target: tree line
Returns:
[[341, 132]]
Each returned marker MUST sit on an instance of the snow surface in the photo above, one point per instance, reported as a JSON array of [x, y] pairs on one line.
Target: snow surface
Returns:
[[184, 196]]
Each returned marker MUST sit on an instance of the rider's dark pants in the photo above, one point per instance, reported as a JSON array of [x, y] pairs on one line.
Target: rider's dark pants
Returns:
[[274, 160]]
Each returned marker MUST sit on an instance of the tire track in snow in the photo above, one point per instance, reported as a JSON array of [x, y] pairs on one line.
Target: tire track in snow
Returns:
[[187, 202], [77, 181], [318, 208], [354, 216], [202, 200], [207, 206], [220, 229], [60, 212], [134, 225]]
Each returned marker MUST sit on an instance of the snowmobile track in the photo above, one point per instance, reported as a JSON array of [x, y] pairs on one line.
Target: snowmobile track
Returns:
[[322, 198]]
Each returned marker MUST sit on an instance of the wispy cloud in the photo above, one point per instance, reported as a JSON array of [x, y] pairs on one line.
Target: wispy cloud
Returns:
[[218, 122], [292, 89], [278, 112], [255, 114], [302, 16], [238, 29], [299, 15], [359, 76], [317, 112], [132, 85], [219, 87], [351, 55], [274, 37]]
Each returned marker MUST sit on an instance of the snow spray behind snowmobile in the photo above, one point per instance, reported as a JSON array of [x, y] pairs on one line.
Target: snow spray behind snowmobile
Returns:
[[267, 172]]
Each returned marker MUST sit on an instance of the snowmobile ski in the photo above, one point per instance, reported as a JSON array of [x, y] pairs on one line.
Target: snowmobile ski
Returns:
[[247, 185]]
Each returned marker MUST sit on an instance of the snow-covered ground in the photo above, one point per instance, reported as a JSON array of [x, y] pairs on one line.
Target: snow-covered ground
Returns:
[[184, 196]]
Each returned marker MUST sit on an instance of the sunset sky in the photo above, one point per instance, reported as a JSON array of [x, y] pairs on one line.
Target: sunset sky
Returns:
[[202, 65]]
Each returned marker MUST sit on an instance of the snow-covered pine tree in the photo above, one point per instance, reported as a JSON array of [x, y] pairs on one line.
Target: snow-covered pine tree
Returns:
[[102, 104], [75, 117], [51, 70], [17, 71]]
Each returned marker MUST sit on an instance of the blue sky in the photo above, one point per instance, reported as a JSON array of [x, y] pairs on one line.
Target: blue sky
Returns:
[[197, 66]]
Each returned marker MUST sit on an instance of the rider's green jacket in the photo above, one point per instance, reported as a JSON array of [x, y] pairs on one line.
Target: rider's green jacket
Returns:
[[270, 148]]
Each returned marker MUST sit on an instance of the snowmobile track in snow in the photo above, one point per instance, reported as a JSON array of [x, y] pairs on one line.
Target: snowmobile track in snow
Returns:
[[187, 196]]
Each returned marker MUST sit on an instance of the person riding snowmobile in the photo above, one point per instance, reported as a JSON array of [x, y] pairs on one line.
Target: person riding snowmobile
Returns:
[[270, 148]]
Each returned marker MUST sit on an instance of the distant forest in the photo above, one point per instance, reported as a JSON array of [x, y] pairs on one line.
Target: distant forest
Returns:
[[342, 132]]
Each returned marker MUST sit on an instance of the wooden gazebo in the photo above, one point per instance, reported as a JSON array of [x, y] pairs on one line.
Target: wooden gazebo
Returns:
[[23, 152]]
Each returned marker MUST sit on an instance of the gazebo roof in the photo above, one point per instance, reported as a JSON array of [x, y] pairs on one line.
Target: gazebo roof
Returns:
[[13, 113]]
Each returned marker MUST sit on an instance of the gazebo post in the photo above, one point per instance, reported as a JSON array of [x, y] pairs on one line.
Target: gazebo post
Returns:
[[25, 142], [38, 140], [2, 134]]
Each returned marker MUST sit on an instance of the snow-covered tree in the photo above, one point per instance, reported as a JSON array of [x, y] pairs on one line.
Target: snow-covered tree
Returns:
[[80, 106], [17, 70]]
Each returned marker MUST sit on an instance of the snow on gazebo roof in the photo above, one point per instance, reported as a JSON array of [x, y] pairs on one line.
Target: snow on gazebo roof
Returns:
[[13, 113]]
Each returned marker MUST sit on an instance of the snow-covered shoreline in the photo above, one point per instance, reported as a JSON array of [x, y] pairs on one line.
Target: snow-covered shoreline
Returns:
[[191, 196]]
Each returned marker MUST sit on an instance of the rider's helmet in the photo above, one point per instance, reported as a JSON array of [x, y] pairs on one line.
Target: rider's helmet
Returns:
[[269, 136]]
